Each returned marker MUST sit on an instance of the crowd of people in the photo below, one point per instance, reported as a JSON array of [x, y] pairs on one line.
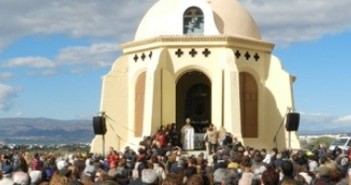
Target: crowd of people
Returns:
[[160, 159]]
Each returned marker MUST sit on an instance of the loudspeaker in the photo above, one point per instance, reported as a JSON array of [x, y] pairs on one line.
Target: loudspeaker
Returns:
[[99, 125], [292, 121]]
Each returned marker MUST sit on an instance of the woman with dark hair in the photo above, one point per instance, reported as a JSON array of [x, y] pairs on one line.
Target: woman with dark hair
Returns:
[[58, 178], [36, 165], [112, 172], [270, 177], [172, 179], [199, 179]]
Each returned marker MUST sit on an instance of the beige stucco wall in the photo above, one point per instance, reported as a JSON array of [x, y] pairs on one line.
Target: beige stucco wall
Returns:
[[114, 104], [279, 92], [232, 116], [164, 69]]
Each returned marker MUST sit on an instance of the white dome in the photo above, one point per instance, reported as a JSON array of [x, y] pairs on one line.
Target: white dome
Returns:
[[222, 17]]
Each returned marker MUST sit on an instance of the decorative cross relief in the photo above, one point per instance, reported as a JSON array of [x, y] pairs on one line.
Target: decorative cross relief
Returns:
[[193, 52], [206, 52], [143, 56], [247, 55], [179, 53], [136, 58], [237, 54], [257, 57]]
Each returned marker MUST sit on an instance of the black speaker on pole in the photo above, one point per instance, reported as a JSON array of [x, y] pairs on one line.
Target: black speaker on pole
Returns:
[[99, 125], [292, 121]]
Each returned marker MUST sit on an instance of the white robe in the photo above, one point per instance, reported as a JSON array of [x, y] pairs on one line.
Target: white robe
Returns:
[[188, 137]]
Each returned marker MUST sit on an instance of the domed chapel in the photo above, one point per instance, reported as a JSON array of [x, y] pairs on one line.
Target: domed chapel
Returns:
[[198, 59]]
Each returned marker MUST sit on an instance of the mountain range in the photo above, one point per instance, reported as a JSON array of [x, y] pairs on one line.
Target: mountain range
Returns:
[[52, 131], [325, 129], [45, 131], [324, 125]]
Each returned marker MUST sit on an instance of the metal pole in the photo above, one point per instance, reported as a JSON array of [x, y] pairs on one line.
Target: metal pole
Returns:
[[223, 99], [161, 105], [289, 139], [103, 145]]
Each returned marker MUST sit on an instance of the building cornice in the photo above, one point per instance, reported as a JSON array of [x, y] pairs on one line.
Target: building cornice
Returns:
[[196, 41]]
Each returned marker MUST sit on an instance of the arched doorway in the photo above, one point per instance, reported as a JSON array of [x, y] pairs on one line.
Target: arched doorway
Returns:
[[193, 100]]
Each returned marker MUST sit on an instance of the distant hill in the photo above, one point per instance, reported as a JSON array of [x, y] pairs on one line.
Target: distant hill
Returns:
[[52, 131], [45, 131], [319, 127], [324, 130]]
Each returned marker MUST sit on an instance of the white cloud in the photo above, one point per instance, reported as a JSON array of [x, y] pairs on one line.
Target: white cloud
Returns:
[[83, 58], [82, 18], [287, 21], [318, 118], [78, 59], [18, 114], [30, 62], [5, 75], [85, 116], [283, 21], [343, 120], [42, 72], [324, 123], [97, 55], [325, 118], [7, 95]]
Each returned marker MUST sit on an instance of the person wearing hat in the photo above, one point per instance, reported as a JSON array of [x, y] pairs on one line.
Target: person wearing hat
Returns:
[[323, 175], [7, 175]]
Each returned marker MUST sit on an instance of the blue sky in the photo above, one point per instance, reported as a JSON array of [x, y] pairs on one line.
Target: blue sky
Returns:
[[53, 53]]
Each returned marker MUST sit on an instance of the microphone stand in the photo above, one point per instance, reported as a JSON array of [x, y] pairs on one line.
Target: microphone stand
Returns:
[[102, 114]]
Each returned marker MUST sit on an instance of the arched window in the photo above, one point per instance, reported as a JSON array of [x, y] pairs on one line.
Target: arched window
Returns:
[[248, 105], [139, 104], [193, 21]]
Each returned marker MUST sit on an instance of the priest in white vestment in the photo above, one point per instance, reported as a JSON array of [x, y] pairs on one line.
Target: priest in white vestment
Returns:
[[187, 135]]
